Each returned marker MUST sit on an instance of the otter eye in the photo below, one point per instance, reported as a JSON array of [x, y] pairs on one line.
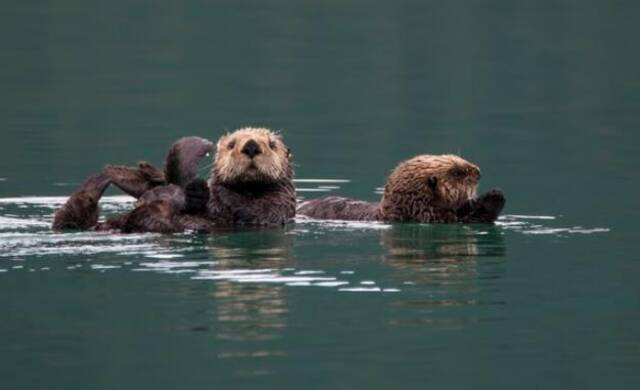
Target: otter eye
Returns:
[[458, 173], [432, 182], [231, 144], [272, 145]]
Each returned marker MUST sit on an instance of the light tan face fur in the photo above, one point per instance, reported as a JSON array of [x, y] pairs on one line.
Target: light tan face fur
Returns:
[[457, 179], [269, 165]]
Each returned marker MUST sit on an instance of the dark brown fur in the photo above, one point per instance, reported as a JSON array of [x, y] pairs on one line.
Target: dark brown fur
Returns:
[[181, 167], [135, 181], [251, 184], [425, 189], [336, 207], [169, 209], [81, 210], [258, 193], [159, 201]]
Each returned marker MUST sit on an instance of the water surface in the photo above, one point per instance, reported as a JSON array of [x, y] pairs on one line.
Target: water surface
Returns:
[[542, 96]]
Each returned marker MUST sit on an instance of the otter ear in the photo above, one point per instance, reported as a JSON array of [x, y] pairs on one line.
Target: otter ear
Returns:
[[289, 154], [432, 182]]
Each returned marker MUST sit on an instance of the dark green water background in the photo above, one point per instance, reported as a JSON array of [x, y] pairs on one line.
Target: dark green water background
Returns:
[[543, 95]]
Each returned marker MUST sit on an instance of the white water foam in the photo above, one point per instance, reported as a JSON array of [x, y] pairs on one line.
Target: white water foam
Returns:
[[313, 189], [10, 223], [516, 216], [321, 180], [104, 267], [522, 224], [338, 223], [571, 230]]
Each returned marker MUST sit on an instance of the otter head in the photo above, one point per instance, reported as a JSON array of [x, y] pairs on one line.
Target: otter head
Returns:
[[252, 156], [425, 183], [181, 166]]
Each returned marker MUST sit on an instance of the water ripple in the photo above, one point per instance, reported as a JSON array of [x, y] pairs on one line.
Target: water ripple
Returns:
[[437, 255]]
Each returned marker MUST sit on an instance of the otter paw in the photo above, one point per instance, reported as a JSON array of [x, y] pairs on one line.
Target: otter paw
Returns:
[[485, 209], [489, 206], [493, 200]]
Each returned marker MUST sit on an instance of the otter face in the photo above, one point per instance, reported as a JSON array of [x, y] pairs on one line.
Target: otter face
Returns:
[[424, 183], [251, 155]]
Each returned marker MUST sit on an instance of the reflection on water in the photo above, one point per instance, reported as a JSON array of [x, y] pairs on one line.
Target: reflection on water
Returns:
[[249, 311], [441, 254], [449, 265]]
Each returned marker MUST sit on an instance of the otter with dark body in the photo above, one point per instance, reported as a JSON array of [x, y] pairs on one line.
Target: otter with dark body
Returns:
[[251, 184], [161, 194], [424, 189]]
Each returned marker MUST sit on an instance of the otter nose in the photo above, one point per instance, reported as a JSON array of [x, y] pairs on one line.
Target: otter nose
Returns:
[[251, 149]]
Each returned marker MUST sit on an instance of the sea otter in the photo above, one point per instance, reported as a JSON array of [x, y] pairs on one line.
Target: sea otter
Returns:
[[252, 180], [144, 182], [424, 189], [251, 184]]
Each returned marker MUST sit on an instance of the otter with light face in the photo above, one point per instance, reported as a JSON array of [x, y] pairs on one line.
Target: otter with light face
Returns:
[[252, 180], [424, 189], [251, 184]]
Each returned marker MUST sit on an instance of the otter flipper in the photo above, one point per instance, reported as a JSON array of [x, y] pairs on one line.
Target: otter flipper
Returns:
[[181, 167], [135, 181], [81, 209], [484, 209]]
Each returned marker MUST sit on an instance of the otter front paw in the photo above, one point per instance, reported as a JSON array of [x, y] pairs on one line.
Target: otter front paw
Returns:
[[493, 200], [485, 209]]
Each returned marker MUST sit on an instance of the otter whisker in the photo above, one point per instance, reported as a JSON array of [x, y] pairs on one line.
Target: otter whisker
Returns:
[[206, 166]]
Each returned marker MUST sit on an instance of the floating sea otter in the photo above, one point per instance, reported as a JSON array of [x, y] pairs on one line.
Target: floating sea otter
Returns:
[[251, 184], [424, 189]]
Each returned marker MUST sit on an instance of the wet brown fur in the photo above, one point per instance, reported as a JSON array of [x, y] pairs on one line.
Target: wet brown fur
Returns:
[[248, 187], [161, 195], [81, 210], [135, 181], [429, 188], [424, 189], [180, 168]]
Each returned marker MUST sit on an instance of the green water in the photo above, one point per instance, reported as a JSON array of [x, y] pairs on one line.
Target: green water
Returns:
[[544, 96]]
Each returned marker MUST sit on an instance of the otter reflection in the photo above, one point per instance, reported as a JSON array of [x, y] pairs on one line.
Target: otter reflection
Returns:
[[440, 253], [254, 310]]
